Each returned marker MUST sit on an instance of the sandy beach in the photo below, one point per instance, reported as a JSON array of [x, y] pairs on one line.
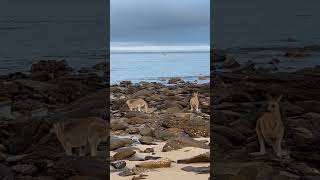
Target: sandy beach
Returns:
[[172, 173]]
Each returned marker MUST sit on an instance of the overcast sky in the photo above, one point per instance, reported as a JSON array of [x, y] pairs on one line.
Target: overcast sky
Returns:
[[160, 22]]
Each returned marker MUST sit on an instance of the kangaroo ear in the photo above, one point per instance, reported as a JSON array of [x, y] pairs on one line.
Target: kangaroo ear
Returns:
[[279, 98]]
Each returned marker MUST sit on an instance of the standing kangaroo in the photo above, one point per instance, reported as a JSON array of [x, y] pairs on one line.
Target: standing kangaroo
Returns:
[[91, 130], [270, 128], [137, 104], [194, 101]]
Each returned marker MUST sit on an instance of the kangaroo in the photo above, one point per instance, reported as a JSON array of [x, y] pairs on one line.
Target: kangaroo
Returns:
[[270, 128], [81, 132], [194, 101], [137, 103]]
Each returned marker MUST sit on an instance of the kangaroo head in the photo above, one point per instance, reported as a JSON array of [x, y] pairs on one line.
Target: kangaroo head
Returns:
[[195, 94], [274, 104]]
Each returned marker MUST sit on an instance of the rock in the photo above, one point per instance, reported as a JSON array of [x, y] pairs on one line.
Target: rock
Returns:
[[139, 114], [118, 125], [197, 127], [148, 150], [218, 55], [127, 172], [124, 154], [231, 134], [310, 177], [229, 63], [295, 53], [274, 61], [175, 80], [302, 133], [151, 158], [14, 159], [3, 149], [159, 163], [6, 173], [141, 176], [135, 120], [132, 130], [196, 159], [125, 83], [257, 171], [2, 157], [198, 170], [101, 66], [68, 166], [118, 164], [82, 178], [25, 169], [44, 178], [173, 110], [139, 170], [116, 143], [302, 169], [53, 68], [168, 133], [146, 140], [181, 142], [146, 131], [136, 157]]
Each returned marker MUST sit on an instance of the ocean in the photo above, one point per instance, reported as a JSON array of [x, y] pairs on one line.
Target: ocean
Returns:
[[33, 30], [153, 67], [259, 30]]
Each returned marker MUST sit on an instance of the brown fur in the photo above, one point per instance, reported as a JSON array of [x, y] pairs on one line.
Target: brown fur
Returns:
[[270, 128], [137, 104], [194, 102], [81, 132]]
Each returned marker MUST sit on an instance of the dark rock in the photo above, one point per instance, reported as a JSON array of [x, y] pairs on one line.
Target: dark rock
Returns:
[[198, 170], [148, 150], [135, 120], [175, 80], [132, 130], [228, 63], [6, 173], [118, 125], [257, 171], [148, 140], [124, 154], [101, 66], [218, 55], [25, 169], [274, 61], [82, 178], [125, 83], [159, 163], [127, 172], [146, 131], [68, 166], [168, 133], [181, 142], [116, 143], [118, 164], [296, 53], [196, 159], [151, 158]]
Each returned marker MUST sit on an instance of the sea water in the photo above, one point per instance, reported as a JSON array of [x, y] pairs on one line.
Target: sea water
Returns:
[[153, 67]]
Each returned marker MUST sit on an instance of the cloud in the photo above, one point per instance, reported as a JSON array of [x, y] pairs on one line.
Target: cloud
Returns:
[[165, 21]]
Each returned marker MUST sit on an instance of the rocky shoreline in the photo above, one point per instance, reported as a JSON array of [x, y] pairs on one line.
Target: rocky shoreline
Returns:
[[31, 103], [164, 140], [239, 99], [167, 140]]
